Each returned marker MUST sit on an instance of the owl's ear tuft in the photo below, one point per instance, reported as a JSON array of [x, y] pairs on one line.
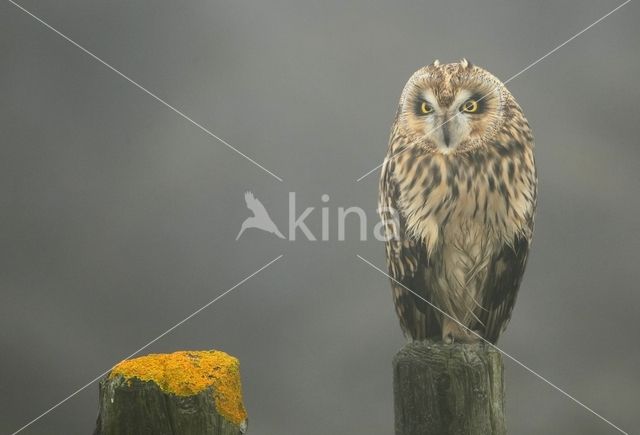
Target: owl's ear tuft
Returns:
[[466, 64]]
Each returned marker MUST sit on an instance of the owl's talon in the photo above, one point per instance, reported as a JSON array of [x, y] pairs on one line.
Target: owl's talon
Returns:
[[453, 332]]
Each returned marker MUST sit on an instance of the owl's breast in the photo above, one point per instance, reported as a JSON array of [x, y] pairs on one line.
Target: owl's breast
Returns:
[[441, 192]]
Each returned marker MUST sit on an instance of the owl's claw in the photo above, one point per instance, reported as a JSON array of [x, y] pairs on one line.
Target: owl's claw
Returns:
[[468, 338], [453, 332]]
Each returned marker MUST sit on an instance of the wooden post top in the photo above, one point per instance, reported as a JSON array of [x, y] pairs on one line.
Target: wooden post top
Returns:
[[448, 389], [187, 392]]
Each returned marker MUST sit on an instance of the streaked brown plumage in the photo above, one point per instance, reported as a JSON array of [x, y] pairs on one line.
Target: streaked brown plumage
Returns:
[[458, 201]]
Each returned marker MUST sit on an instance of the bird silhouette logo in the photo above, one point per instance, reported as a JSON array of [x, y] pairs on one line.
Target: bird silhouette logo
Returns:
[[260, 219]]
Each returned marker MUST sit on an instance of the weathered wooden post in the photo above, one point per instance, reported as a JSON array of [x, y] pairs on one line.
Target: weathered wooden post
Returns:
[[442, 389], [173, 394]]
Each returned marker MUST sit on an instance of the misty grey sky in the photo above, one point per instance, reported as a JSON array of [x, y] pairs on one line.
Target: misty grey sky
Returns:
[[119, 217]]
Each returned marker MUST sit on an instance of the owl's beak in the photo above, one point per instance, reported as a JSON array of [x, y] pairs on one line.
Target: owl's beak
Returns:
[[446, 135]]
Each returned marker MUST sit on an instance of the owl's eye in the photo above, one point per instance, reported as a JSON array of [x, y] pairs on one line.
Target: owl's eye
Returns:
[[469, 106], [425, 108]]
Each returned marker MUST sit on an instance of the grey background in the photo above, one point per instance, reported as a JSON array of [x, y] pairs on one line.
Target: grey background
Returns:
[[119, 217]]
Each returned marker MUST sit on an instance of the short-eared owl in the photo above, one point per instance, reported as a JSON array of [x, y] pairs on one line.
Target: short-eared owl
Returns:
[[457, 195]]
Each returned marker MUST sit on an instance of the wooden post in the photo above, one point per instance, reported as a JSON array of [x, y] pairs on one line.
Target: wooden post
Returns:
[[173, 394], [442, 389]]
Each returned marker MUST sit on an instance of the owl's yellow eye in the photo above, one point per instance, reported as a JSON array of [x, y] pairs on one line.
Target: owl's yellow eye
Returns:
[[469, 106], [425, 108]]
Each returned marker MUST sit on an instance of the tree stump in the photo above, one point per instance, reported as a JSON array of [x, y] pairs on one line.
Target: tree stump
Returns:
[[442, 389], [180, 393]]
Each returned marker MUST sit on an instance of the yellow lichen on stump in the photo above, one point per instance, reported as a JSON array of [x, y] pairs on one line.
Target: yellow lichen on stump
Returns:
[[187, 373]]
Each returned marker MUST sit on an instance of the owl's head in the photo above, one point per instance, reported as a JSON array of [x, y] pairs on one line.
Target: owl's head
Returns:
[[451, 108]]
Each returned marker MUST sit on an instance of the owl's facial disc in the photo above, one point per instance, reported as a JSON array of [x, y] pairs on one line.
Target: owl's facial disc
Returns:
[[453, 124]]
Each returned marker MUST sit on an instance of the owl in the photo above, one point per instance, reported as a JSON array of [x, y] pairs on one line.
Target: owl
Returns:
[[457, 198]]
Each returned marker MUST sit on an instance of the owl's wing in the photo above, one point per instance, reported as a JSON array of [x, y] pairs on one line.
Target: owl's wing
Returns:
[[407, 262], [501, 286]]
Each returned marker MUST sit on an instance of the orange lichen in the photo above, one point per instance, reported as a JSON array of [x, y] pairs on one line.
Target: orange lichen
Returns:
[[187, 373]]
